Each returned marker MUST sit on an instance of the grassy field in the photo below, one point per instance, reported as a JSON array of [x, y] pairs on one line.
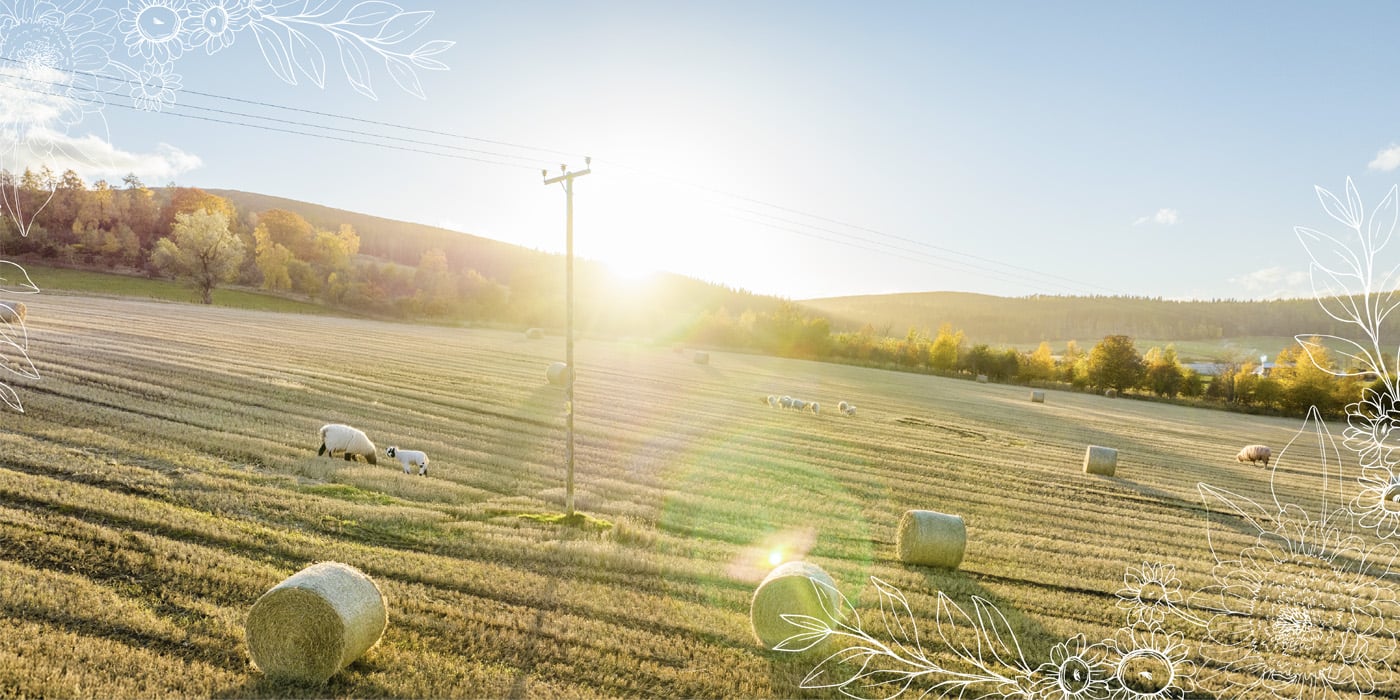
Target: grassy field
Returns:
[[164, 476], [66, 281]]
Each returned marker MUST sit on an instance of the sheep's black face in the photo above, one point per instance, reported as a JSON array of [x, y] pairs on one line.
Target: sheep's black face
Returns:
[[390, 451]]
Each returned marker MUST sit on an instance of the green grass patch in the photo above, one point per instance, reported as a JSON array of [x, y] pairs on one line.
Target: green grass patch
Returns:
[[55, 279], [579, 521]]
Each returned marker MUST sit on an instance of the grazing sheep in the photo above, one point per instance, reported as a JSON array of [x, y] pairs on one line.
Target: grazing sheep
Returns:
[[410, 458], [343, 438], [772, 401], [1254, 453], [842, 406], [12, 311], [799, 404], [850, 409], [816, 408], [786, 402]]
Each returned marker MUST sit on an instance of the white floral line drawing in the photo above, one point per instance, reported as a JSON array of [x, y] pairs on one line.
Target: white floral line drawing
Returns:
[[1138, 663], [14, 336]]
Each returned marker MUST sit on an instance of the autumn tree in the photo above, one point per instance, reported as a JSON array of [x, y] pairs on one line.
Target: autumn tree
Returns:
[[1164, 375], [1115, 363], [1039, 365], [944, 353], [272, 259], [200, 249]]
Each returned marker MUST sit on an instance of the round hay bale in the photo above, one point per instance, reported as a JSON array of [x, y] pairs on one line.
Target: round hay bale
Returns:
[[1037, 397], [981, 379], [702, 357], [1391, 498], [929, 538], [534, 333], [1111, 393], [315, 623], [12, 311], [788, 590], [558, 373], [1100, 460]]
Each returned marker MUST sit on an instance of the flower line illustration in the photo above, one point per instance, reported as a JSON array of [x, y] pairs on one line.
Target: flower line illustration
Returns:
[[1307, 610]]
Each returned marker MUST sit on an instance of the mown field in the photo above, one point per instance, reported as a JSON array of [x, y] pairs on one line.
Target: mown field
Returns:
[[165, 475]]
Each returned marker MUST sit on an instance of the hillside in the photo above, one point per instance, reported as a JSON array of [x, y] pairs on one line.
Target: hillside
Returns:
[[995, 320]]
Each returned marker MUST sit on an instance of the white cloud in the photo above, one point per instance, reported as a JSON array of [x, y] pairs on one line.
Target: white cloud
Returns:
[[1386, 160], [94, 157], [1163, 217], [1274, 283]]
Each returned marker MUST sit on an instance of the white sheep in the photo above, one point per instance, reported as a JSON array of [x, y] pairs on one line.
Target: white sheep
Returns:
[[343, 438], [786, 401], [772, 401], [816, 408], [799, 404], [850, 409], [410, 458], [1254, 453]]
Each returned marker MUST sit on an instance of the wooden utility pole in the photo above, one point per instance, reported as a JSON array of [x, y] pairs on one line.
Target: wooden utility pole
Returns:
[[567, 179]]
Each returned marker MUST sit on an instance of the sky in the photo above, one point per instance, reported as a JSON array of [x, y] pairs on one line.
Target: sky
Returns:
[[802, 149]]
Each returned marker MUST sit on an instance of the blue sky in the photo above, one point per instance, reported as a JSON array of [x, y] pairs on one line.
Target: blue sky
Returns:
[[1004, 148]]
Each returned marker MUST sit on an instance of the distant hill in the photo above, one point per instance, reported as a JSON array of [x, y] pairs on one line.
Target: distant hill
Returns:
[[662, 307], [993, 320]]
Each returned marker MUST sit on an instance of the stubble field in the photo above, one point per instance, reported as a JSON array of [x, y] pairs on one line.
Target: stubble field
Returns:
[[165, 475]]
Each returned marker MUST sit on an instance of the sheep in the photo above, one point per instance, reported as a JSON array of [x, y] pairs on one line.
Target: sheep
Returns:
[[343, 438], [772, 401], [816, 408], [786, 401], [799, 404], [12, 311], [410, 458], [1254, 453], [850, 409]]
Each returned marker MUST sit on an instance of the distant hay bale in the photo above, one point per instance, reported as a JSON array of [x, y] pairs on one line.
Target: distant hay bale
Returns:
[[981, 379], [534, 333], [315, 623], [1100, 460], [702, 358], [557, 373], [12, 311], [929, 538], [1111, 393], [1037, 397], [788, 590]]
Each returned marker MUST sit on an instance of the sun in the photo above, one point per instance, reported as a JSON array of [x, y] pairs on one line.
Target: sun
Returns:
[[630, 268], [775, 557]]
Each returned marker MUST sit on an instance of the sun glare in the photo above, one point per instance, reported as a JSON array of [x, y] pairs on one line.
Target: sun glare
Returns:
[[630, 269], [775, 557]]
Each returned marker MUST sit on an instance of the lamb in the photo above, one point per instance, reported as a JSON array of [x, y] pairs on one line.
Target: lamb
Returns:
[[1254, 453], [410, 458], [343, 438]]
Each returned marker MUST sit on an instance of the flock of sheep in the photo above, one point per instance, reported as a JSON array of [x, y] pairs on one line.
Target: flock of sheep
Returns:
[[775, 401], [336, 437]]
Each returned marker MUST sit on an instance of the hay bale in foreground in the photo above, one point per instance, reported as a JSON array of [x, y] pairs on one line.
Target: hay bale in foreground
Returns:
[[788, 590], [981, 379], [315, 623], [12, 311], [1037, 397], [930, 538], [534, 333], [557, 373], [1100, 460], [702, 357]]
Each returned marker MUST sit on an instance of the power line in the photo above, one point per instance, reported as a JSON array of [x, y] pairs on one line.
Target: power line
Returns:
[[272, 105], [1001, 268]]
